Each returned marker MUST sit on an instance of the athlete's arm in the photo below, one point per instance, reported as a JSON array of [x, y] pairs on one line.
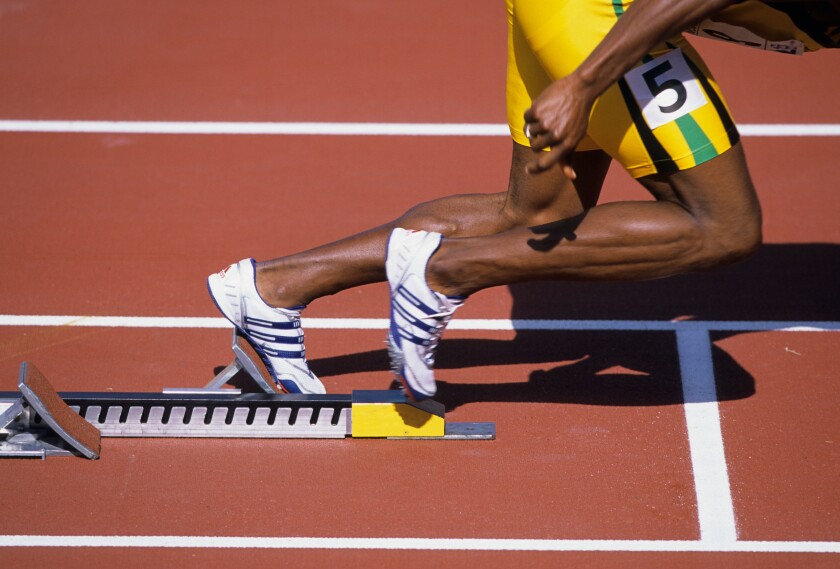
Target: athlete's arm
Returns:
[[559, 116]]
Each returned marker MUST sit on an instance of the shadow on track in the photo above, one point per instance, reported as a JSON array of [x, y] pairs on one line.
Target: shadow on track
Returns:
[[782, 282]]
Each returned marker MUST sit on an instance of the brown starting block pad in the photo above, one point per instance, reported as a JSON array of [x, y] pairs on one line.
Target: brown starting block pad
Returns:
[[39, 396], [251, 361], [66, 423]]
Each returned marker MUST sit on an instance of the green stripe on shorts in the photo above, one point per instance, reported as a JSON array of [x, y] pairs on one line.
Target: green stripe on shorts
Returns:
[[700, 145]]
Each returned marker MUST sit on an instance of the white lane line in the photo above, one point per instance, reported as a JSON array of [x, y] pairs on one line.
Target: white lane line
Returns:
[[490, 324], [257, 128], [789, 129], [715, 511], [428, 544], [339, 128]]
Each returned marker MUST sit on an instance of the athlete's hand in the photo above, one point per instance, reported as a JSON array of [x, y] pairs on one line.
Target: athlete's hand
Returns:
[[558, 118]]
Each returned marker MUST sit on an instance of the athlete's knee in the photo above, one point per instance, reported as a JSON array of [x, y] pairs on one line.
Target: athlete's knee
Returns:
[[458, 216], [723, 206], [730, 240], [518, 213], [537, 199], [529, 203], [735, 230], [744, 239]]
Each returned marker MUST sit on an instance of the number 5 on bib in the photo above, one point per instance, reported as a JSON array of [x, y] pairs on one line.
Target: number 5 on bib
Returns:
[[665, 89]]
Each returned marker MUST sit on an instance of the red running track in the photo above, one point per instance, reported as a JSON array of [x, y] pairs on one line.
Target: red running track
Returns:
[[592, 431]]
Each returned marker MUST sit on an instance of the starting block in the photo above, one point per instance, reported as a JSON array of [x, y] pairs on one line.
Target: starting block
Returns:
[[39, 403], [245, 359], [38, 422]]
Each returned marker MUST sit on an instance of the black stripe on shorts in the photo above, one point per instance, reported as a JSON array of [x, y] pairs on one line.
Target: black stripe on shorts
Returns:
[[661, 159], [725, 118]]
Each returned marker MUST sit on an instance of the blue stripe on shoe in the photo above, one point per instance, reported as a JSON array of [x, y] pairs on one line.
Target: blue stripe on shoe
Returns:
[[290, 386], [394, 330], [276, 339], [413, 320], [284, 354], [414, 339], [405, 293], [276, 325]]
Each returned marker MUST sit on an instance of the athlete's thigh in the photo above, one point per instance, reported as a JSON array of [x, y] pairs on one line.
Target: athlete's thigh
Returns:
[[718, 192]]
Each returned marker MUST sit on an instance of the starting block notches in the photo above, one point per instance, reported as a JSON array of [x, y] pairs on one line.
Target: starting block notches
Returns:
[[252, 415]]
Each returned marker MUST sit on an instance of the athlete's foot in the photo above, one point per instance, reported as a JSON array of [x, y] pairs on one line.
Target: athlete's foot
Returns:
[[275, 333], [418, 314]]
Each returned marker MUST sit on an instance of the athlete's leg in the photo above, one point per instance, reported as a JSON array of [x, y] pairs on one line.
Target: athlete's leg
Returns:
[[530, 200], [705, 212], [264, 302], [702, 217], [298, 279]]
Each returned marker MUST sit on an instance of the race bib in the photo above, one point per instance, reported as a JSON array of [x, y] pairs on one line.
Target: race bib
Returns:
[[665, 89]]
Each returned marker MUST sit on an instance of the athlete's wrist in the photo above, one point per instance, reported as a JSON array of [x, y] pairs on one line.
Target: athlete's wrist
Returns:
[[587, 84]]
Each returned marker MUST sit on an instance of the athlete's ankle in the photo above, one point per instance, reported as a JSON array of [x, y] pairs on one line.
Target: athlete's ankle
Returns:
[[273, 289], [443, 275]]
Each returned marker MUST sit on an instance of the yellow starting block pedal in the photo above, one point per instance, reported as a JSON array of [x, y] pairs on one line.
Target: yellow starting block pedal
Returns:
[[391, 414]]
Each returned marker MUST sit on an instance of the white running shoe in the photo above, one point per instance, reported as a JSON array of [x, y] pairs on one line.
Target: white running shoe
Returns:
[[418, 314], [275, 333]]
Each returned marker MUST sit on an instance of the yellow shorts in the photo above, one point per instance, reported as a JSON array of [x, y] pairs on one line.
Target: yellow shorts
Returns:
[[665, 115]]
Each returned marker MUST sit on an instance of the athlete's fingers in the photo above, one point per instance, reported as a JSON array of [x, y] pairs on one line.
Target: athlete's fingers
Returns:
[[544, 138], [534, 125], [534, 131], [531, 116], [542, 162], [538, 141], [558, 156]]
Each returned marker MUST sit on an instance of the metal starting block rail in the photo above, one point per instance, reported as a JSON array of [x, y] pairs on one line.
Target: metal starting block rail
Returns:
[[38, 422]]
